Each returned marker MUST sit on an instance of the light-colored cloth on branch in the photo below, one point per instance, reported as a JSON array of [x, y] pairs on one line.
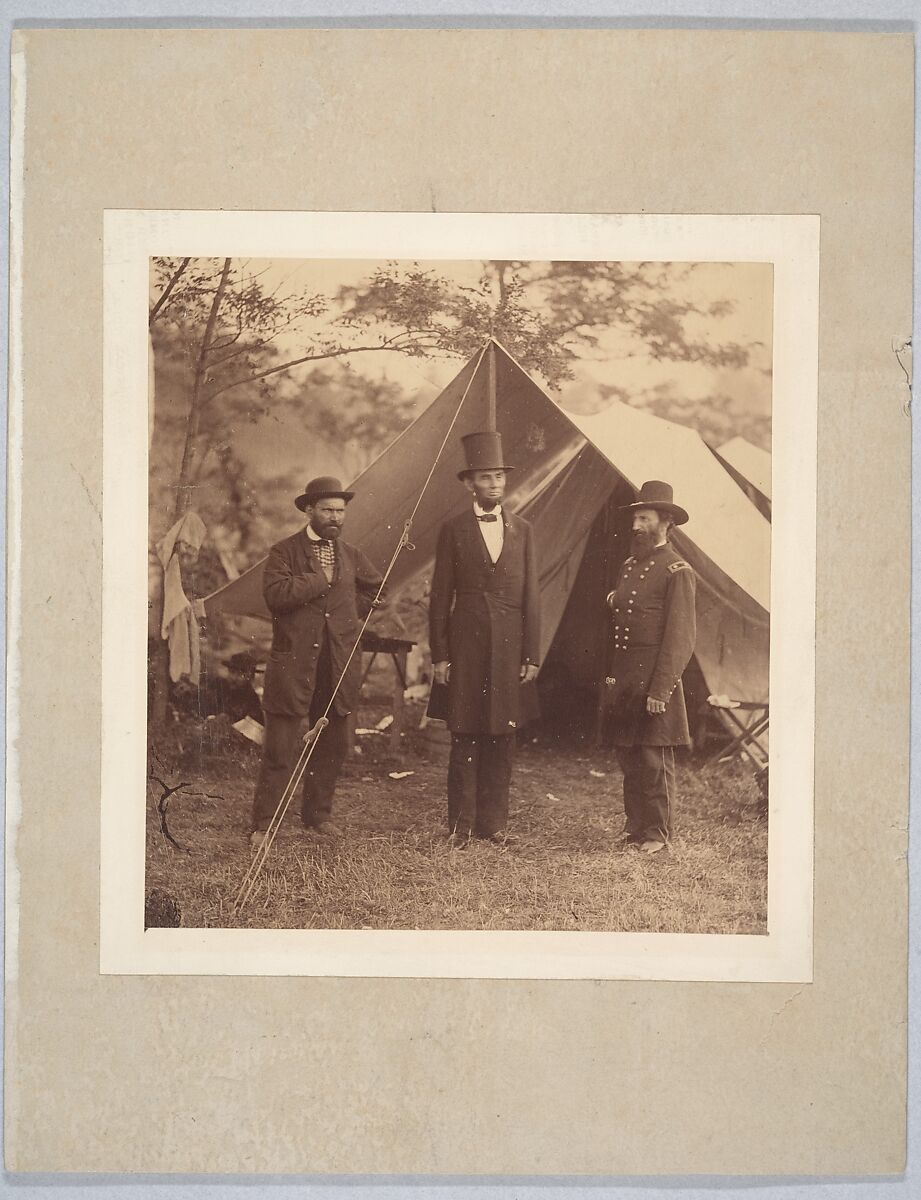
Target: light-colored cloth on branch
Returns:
[[179, 624]]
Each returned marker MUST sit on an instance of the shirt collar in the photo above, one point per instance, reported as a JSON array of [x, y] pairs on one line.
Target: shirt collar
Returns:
[[482, 512], [312, 534]]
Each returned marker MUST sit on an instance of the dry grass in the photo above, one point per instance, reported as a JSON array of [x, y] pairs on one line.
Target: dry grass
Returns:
[[392, 868]]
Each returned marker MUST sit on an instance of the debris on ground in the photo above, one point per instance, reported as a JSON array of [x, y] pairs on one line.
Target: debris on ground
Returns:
[[250, 729], [400, 774]]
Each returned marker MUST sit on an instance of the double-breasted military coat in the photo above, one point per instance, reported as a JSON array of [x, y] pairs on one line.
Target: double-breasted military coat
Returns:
[[305, 608], [484, 618], [654, 630]]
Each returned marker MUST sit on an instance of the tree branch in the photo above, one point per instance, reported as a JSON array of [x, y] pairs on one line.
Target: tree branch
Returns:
[[296, 362], [167, 290], [231, 341]]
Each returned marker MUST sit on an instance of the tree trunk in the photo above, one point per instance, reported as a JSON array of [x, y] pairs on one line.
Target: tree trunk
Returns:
[[159, 675], [187, 470]]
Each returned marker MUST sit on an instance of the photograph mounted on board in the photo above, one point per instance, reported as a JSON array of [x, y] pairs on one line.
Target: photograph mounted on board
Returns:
[[459, 594]]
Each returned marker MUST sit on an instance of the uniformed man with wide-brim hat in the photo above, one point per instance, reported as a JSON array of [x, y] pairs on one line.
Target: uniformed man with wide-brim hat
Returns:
[[318, 588], [653, 634], [484, 632]]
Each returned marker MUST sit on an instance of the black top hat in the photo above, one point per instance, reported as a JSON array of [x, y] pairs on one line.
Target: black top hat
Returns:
[[656, 494], [324, 487], [483, 452]]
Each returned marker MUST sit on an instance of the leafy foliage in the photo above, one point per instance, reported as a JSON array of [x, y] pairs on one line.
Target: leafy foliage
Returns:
[[548, 315]]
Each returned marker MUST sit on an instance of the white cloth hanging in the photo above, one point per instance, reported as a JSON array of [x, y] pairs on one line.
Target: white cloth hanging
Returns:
[[179, 624]]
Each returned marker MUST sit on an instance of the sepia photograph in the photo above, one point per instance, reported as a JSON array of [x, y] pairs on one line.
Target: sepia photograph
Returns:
[[458, 594], [460, 687]]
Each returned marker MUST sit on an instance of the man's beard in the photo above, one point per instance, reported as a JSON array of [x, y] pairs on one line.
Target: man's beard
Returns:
[[488, 503], [642, 543], [328, 531]]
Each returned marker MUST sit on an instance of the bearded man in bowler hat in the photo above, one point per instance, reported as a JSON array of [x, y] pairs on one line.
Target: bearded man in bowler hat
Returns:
[[484, 633], [318, 588], [654, 629]]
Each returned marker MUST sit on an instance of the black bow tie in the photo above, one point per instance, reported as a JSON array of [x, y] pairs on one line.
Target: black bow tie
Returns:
[[487, 517]]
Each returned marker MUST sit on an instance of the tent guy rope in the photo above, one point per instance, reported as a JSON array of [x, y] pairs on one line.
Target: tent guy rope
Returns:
[[257, 863]]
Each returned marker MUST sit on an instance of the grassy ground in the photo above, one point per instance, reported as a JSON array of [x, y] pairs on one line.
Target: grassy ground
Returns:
[[392, 868]]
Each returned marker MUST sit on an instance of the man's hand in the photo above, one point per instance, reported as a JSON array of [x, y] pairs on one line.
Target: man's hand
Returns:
[[653, 706], [528, 672], [380, 602], [442, 672]]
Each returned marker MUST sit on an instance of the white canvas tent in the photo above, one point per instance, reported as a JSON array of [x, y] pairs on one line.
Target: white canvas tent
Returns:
[[750, 467]]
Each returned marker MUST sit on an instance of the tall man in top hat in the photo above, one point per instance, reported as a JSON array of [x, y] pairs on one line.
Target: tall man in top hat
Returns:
[[484, 632], [654, 627], [317, 588]]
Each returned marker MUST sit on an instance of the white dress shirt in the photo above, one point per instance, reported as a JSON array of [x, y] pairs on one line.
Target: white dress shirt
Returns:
[[493, 531], [325, 553]]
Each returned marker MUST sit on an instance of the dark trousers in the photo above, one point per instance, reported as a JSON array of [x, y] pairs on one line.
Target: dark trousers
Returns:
[[479, 774], [282, 746], [649, 790]]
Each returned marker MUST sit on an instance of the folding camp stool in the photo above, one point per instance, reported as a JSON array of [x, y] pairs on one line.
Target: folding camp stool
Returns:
[[747, 722]]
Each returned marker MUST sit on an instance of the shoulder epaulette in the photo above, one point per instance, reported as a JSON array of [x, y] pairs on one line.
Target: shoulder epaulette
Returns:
[[679, 566]]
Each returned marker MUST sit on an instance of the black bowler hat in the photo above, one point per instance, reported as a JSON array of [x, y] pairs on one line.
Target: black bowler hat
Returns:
[[324, 487], [483, 452], [656, 494]]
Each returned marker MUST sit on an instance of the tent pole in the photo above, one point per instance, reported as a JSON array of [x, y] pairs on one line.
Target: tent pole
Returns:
[[491, 392]]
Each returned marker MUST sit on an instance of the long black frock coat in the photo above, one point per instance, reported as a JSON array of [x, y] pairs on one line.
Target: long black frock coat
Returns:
[[484, 618], [305, 608], [654, 629]]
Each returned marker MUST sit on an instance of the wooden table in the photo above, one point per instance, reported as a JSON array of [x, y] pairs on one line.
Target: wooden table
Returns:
[[398, 649]]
